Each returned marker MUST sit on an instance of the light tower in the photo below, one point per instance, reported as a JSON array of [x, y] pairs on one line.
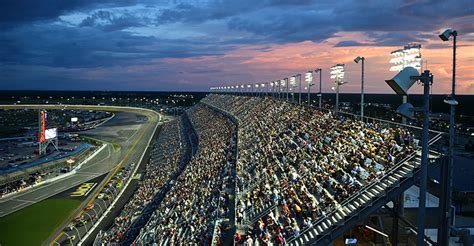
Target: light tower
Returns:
[[409, 56], [308, 78], [292, 88], [337, 73], [320, 94], [446, 217]]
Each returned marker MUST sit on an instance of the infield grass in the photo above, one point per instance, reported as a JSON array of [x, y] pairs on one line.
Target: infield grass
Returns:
[[34, 224]]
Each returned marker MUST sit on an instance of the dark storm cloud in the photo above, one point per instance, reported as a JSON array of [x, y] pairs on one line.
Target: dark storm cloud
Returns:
[[33, 35], [195, 12], [108, 21], [350, 43], [16, 12], [60, 46], [319, 21]]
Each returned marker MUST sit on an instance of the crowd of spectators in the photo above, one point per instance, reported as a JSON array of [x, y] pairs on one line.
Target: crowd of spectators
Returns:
[[164, 160], [21, 184], [297, 163], [189, 211]]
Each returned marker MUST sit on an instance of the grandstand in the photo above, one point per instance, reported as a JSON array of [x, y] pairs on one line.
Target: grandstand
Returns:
[[270, 171]]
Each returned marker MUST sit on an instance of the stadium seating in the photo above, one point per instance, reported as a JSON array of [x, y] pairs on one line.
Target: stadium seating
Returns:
[[164, 159], [190, 210], [308, 163]]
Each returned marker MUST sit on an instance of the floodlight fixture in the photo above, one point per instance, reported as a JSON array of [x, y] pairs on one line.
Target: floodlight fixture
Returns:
[[447, 34], [406, 110], [409, 56], [337, 72], [293, 81], [308, 77], [403, 81]]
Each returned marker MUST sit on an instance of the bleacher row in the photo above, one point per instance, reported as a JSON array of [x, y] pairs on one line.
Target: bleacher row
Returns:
[[300, 173], [309, 164], [164, 160], [189, 211]]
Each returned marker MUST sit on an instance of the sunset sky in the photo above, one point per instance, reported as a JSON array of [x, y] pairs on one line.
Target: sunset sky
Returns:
[[193, 45]]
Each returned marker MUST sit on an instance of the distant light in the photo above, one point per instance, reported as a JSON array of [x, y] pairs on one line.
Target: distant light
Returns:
[[293, 81], [308, 77], [337, 72]]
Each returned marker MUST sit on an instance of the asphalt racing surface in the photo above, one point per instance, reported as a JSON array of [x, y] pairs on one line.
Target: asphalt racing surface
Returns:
[[126, 129]]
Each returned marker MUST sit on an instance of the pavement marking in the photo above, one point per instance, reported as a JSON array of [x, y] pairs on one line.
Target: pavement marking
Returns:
[[78, 182], [116, 169], [19, 205], [133, 135], [22, 200], [112, 205], [61, 188], [43, 196], [88, 173]]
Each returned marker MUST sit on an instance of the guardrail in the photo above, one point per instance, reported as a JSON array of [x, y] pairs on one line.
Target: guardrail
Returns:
[[135, 168], [83, 107]]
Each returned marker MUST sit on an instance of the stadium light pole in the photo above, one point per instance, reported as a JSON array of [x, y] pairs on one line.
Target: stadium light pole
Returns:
[[320, 94], [293, 86], [337, 72], [280, 96], [273, 89], [277, 88], [285, 80], [447, 168], [308, 77], [362, 60], [401, 83]]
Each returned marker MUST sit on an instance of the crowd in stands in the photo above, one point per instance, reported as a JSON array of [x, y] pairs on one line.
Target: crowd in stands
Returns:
[[188, 213], [164, 160], [297, 163], [21, 184]]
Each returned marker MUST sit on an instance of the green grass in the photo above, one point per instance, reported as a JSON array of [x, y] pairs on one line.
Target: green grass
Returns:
[[34, 224], [116, 146]]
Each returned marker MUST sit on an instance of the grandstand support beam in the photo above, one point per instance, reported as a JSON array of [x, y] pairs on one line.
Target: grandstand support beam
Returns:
[[426, 78], [404, 100], [379, 220], [397, 213]]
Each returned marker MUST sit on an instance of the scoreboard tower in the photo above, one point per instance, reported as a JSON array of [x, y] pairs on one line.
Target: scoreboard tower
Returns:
[[46, 136]]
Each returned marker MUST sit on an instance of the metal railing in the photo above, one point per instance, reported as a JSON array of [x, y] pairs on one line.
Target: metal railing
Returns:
[[365, 188]]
